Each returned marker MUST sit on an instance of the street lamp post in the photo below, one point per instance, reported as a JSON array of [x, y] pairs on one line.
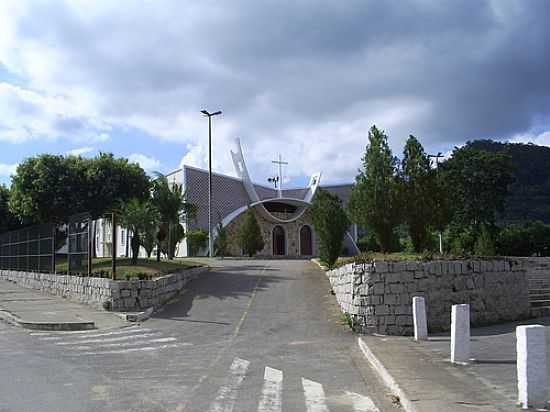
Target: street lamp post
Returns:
[[436, 157], [210, 115]]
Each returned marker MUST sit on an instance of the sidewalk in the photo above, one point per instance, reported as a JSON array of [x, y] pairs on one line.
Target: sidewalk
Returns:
[[34, 310], [428, 382]]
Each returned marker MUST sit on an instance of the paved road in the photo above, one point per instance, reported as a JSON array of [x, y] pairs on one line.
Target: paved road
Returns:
[[260, 336]]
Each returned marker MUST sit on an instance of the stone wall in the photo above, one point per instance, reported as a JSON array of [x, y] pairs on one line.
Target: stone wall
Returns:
[[379, 294], [131, 295], [292, 231]]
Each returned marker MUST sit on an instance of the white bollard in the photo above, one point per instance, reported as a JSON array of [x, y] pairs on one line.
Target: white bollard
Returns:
[[531, 366], [460, 333], [419, 318]]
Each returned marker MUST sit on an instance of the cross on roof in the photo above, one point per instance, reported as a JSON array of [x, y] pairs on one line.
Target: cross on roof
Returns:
[[280, 163]]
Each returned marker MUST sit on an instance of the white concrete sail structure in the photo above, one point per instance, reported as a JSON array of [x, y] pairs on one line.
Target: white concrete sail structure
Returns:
[[242, 172], [314, 182]]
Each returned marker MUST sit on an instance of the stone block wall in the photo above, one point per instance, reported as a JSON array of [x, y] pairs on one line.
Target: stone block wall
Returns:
[[131, 295], [379, 294], [292, 234]]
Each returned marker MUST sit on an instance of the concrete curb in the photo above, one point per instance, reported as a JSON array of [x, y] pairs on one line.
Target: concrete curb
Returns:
[[63, 326], [318, 263], [386, 378], [136, 316]]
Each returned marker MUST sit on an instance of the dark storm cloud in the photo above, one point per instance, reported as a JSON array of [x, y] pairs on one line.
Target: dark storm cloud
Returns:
[[476, 68]]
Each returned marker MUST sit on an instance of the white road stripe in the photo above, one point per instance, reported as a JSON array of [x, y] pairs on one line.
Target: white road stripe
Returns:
[[95, 335], [120, 338], [83, 332], [129, 350], [124, 344], [271, 391], [315, 396], [227, 394], [118, 332], [362, 403]]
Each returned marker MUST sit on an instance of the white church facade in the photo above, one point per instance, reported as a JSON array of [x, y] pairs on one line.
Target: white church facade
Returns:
[[283, 214]]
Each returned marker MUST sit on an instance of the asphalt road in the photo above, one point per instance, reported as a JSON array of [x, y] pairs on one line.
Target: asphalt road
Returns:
[[249, 336]]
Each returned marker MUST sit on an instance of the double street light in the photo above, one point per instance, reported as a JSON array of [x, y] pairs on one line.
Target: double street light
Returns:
[[210, 115], [437, 157]]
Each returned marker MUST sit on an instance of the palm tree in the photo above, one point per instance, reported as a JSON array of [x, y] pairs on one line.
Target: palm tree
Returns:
[[169, 199], [141, 217]]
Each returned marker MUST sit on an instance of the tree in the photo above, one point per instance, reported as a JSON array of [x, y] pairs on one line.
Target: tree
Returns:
[[477, 184], [138, 216], [249, 234], [169, 199], [176, 235], [221, 244], [50, 188], [7, 220], [149, 240], [485, 244], [111, 181], [330, 222], [419, 194], [524, 240], [196, 240], [374, 200]]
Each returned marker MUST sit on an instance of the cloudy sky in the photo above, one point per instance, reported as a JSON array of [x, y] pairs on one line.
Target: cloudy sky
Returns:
[[302, 78]]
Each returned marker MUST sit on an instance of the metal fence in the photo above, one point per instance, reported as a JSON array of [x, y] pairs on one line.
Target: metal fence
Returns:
[[66, 248], [79, 237], [30, 249]]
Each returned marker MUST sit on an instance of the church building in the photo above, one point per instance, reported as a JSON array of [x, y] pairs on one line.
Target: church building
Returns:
[[283, 214]]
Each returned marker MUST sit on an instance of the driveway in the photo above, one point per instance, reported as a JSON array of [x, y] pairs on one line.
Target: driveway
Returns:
[[248, 336]]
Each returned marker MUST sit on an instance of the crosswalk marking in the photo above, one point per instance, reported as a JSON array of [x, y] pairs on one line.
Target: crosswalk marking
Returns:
[[271, 391], [119, 338], [110, 341], [59, 336], [315, 396], [132, 343], [129, 350], [362, 403], [116, 332], [84, 332], [227, 394]]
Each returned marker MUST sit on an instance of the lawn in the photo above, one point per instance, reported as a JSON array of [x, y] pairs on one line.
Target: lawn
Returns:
[[124, 269]]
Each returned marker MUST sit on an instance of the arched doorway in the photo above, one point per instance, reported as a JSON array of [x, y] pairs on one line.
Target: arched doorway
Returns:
[[279, 241], [306, 241]]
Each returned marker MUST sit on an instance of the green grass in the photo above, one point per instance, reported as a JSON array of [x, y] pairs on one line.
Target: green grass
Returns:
[[124, 269], [395, 257]]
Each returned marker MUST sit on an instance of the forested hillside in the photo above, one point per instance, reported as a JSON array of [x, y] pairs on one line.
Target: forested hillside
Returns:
[[529, 197]]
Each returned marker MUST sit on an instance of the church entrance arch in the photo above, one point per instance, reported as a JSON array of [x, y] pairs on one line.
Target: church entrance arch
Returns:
[[306, 241], [279, 241]]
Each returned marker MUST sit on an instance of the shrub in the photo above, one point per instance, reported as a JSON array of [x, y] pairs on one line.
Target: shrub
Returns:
[[330, 222], [485, 245], [196, 240], [368, 243], [249, 235], [221, 245]]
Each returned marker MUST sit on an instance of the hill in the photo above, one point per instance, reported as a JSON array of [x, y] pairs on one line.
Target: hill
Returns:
[[529, 197]]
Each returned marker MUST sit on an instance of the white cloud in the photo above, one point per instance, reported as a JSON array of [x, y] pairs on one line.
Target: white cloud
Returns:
[[541, 139], [149, 164], [80, 151], [30, 115], [7, 169], [286, 87], [196, 156]]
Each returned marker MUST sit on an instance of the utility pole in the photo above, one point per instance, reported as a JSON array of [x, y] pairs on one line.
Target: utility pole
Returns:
[[436, 157], [210, 115]]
